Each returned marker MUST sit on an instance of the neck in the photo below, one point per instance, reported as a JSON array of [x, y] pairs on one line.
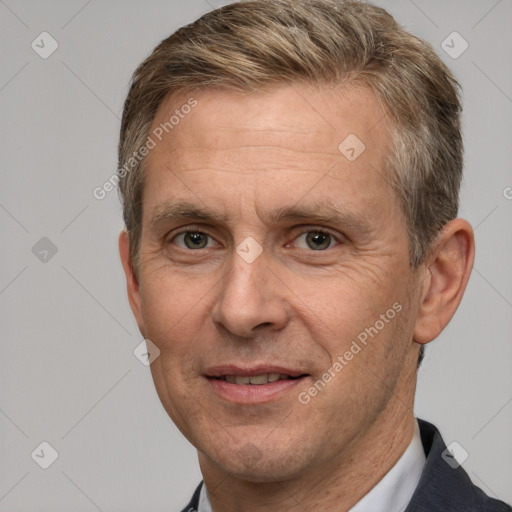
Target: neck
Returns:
[[336, 485]]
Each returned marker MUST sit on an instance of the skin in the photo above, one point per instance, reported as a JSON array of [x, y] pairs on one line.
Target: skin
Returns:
[[240, 157]]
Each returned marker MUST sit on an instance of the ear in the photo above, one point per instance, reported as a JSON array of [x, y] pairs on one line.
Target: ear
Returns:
[[448, 269], [132, 283]]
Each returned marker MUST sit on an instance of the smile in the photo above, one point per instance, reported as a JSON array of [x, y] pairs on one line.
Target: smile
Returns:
[[253, 386], [256, 380]]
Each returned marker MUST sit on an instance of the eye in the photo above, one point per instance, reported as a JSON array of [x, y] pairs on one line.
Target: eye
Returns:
[[193, 240], [315, 240]]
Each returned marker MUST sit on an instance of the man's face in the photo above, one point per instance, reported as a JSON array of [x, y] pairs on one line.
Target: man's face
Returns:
[[266, 252]]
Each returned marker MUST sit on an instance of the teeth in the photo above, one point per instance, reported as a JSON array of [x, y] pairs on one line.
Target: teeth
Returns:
[[256, 380], [259, 379]]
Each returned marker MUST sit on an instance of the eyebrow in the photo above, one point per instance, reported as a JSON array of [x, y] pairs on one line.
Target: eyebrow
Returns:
[[171, 212], [320, 213], [316, 213]]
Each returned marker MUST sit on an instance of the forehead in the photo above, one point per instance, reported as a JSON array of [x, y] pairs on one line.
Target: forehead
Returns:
[[286, 139], [321, 115]]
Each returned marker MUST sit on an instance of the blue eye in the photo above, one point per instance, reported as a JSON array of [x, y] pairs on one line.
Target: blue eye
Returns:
[[316, 241]]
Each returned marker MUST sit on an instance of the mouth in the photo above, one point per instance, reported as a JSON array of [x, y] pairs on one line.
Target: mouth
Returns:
[[255, 385], [256, 380]]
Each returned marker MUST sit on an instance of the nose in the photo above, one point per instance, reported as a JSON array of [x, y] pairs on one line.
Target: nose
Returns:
[[251, 299]]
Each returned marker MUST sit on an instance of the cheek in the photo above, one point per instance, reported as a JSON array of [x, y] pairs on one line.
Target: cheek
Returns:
[[341, 307], [173, 311], [364, 324], [366, 354], [173, 314]]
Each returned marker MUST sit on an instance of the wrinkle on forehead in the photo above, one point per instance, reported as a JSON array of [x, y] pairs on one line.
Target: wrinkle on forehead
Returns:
[[295, 110], [257, 151]]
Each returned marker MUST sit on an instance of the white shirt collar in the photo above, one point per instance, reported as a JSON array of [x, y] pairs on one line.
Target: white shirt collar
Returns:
[[204, 501], [394, 491], [392, 494]]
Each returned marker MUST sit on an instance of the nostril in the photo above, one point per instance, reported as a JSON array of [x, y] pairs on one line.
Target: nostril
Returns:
[[264, 324]]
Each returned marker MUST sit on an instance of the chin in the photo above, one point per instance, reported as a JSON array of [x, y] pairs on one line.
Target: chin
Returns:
[[258, 463]]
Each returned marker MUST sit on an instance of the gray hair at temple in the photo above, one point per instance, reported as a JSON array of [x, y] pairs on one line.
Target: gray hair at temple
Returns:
[[255, 45]]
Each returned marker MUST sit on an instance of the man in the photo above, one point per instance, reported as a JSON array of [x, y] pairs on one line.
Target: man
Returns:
[[289, 174]]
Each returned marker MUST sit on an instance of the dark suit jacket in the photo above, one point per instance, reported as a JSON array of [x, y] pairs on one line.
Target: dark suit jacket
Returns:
[[440, 489]]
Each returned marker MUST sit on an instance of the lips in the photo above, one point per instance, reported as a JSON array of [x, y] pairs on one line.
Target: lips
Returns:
[[253, 385], [258, 372], [255, 380]]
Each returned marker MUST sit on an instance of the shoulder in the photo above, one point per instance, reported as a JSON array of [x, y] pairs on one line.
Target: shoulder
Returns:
[[194, 502], [444, 485]]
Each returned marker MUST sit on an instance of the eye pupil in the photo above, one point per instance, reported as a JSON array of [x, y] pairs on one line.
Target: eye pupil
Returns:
[[318, 241], [195, 240]]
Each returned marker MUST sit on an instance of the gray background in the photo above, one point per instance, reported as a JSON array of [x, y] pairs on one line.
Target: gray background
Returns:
[[68, 373]]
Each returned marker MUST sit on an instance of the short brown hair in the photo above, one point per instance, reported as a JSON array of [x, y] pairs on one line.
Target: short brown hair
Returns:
[[255, 44]]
